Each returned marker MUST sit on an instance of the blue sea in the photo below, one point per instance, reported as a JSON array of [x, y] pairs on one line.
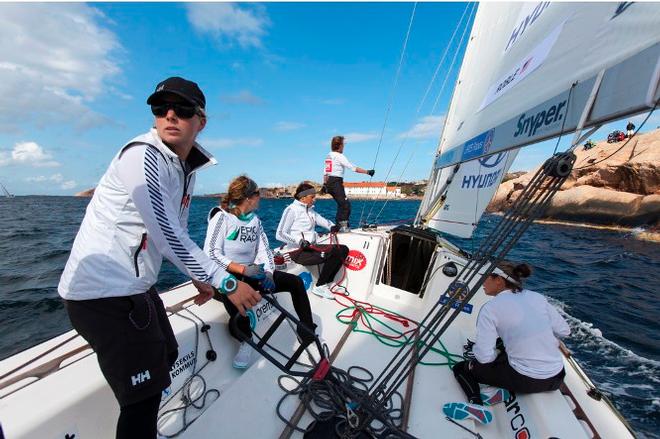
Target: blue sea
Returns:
[[604, 282]]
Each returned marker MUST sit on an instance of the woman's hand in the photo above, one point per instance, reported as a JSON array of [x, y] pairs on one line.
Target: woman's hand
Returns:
[[254, 271]]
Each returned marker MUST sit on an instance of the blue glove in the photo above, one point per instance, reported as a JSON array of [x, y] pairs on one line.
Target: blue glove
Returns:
[[254, 271], [268, 283]]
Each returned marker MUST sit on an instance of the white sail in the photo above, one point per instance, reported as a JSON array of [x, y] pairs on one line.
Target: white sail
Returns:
[[516, 85], [469, 193]]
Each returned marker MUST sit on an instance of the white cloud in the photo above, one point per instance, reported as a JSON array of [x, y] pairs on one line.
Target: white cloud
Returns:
[[231, 142], [56, 58], [55, 178], [288, 126], [29, 153], [69, 184], [242, 97], [429, 127], [229, 22], [359, 137]]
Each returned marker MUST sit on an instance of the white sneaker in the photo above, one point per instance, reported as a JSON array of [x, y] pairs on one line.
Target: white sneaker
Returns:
[[243, 356], [323, 291]]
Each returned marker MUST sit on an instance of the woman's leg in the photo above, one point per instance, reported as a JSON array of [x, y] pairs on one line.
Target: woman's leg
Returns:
[[468, 382], [242, 326], [138, 420], [290, 282], [335, 255]]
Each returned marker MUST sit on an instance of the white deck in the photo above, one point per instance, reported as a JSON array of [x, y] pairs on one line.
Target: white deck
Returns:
[[76, 400]]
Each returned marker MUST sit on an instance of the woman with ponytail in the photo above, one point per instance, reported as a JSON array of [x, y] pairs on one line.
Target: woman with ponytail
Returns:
[[529, 361], [297, 228], [236, 240]]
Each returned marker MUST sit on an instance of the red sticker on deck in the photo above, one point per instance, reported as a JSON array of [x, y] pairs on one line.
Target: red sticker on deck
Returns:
[[355, 260]]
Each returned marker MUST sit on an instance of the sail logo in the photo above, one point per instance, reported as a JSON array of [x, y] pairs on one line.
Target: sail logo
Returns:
[[530, 125], [492, 160], [356, 260], [477, 146], [480, 181], [528, 16]]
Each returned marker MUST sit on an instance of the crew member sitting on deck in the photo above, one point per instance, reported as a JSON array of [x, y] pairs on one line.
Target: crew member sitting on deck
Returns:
[[236, 240], [298, 228], [528, 326], [333, 180]]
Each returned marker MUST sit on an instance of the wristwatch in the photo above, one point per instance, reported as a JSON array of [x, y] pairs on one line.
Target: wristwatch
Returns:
[[228, 285]]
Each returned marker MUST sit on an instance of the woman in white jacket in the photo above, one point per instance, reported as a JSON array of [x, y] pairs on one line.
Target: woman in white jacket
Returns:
[[236, 240], [529, 360], [297, 228]]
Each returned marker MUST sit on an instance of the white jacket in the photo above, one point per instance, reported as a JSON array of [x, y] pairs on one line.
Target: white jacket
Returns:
[[335, 164], [230, 239], [529, 327], [138, 214], [298, 222]]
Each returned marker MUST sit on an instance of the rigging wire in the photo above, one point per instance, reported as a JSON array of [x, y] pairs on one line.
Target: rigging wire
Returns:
[[563, 123], [407, 134], [392, 92], [442, 59], [453, 61]]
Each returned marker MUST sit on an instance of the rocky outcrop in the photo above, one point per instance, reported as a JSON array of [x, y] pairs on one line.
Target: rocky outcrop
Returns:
[[606, 186], [87, 193]]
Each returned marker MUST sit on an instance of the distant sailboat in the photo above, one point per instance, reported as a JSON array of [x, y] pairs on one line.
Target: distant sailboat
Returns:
[[5, 192]]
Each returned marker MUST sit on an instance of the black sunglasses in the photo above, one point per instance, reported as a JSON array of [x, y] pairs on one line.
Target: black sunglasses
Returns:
[[181, 110]]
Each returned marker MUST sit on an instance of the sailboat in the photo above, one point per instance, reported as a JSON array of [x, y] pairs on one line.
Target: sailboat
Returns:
[[5, 192], [531, 72]]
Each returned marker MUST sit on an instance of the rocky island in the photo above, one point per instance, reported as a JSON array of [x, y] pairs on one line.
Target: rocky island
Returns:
[[611, 184]]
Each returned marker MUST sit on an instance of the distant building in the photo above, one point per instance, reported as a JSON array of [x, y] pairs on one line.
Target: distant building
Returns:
[[373, 189]]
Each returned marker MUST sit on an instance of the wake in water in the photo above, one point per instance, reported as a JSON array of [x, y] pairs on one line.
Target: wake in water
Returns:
[[631, 381]]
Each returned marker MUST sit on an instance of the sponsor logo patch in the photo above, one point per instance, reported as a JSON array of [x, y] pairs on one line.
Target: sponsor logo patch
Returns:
[[478, 145], [531, 124], [356, 260]]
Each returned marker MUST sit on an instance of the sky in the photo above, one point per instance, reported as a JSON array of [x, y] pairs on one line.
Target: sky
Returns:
[[280, 80]]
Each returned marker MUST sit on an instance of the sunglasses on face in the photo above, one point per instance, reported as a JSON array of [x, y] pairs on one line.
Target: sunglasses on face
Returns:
[[182, 111]]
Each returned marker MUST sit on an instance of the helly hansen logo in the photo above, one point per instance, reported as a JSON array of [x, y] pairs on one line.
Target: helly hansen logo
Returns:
[[140, 378]]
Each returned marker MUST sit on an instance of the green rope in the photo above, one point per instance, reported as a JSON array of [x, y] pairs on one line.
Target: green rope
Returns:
[[404, 339]]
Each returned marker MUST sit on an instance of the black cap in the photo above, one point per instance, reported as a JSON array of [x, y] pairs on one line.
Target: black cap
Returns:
[[188, 90]]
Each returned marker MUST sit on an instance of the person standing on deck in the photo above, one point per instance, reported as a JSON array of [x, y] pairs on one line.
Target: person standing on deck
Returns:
[[529, 360], [137, 216], [333, 180]]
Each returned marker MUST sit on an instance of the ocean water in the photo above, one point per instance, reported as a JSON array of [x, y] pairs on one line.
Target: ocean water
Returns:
[[604, 282]]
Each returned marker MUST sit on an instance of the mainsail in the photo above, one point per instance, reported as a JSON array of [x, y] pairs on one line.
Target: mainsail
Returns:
[[533, 71]]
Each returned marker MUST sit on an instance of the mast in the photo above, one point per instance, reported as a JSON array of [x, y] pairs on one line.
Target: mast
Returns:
[[5, 191]]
